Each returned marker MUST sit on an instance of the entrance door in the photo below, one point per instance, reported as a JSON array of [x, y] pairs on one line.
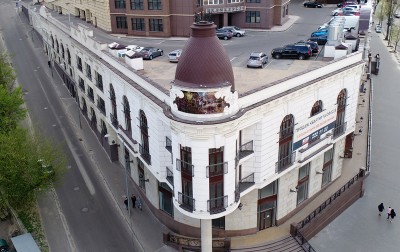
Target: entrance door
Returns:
[[265, 219]]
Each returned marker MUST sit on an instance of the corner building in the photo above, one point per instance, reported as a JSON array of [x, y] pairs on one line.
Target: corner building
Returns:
[[170, 18], [214, 154]]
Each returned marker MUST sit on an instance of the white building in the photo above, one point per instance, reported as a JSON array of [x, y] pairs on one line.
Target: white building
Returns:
[[243, 150]]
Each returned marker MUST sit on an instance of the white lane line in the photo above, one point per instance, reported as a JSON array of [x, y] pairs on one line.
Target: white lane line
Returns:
[[233, 59]]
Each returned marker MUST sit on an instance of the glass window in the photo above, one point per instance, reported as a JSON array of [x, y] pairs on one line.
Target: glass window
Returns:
[[121, 23], [252, 17], [156, 24], [155, 4], [120, 4], [138, 24], [302, 184], [252, 1], [99, 80], [165, 198], [268, 191], [219, 223], [136, 4]]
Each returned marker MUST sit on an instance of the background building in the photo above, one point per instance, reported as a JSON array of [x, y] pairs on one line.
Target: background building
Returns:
[[166, 18]]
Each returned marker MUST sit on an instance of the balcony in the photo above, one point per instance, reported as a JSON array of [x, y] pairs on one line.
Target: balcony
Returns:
[[217, 169], [285, 162], [339, 130], [145, 154], [246, 182], [114, 120], [217, 205], [185, 167], [186, 202], [168, 144], [246, 149], [170, 176]]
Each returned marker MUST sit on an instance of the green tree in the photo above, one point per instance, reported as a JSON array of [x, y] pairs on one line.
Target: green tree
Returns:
[[7, 74], [395, 35], [11, 110]]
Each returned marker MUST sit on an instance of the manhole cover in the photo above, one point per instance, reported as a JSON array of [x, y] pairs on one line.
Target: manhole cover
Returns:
[[85, 209], [45, 108]]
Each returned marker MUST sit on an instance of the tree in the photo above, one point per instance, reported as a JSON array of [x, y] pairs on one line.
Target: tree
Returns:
[[7, 75], [11, 110], [395, 35]]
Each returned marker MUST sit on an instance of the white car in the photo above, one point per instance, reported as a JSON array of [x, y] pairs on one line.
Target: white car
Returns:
[[235, 30], [378, 29], [135, 48], [337, 11], [174, 55]]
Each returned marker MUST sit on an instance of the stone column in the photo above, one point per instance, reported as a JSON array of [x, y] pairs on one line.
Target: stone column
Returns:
[[225, 19], [206, 235]]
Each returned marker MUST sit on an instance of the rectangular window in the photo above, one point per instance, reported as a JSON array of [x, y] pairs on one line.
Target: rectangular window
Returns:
[[88, 71], [235, 1], [101, 105], [199, 3], [156, 24], [302, 184], [165, 198], [266, 206], [82, 84], [252, 1], [136, 4], [121, 23], [155, 4], [268, 191], [120, 4], [79, 63], [327, 168], [99, 80], [90, 94], [213, 2], [252, 17], [219, 223], [138, 24]]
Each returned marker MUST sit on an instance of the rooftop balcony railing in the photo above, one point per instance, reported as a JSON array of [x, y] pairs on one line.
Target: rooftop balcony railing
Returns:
[[285, 162], [185, 167], [217, 169], [246, 149], [217, 205], [186, 202]]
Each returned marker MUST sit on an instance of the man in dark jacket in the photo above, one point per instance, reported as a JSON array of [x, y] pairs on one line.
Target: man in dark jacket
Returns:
[[381, 208]]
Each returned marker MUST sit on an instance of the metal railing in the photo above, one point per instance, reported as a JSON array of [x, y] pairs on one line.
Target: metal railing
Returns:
[[145, 154], [170, 176], [237, 194], [216, 169], [246, 182], [339, 130], [285, 162], [185, 167], [186, 202], [114, 120], [302, 241], [168, 144], [246, 149], [331, 199], [217, 205]]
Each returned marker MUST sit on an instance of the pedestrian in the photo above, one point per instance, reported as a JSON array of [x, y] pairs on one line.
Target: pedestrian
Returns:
[[49, 63], [133, 197], [381, 208], [126, 203], [139, 203], [389, 210], [392, 215]]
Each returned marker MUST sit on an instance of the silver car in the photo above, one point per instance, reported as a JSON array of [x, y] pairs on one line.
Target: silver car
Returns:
[[257, 59], [174, 55], [235, 30]]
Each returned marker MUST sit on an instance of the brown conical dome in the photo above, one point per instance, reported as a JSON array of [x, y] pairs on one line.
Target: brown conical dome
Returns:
[[204, 62]]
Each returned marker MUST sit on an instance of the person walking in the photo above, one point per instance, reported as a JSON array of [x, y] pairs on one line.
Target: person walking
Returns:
[[126, 202], [133, 197], [139, 203], [380, 208], [392, 215], [389, 210]]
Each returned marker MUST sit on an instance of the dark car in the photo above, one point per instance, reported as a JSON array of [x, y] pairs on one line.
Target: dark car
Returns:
[[224, 34], [311, 4], [346, 3], [321, 40], [312, 44], [151, 52], [301, 52]]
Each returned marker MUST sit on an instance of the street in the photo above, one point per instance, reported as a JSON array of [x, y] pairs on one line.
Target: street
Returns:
[[360, 228]]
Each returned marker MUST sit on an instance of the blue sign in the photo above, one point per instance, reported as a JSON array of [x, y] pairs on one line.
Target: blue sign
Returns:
[[313, 136]]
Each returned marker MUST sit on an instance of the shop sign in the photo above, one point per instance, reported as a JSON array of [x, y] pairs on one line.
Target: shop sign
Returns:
[[225, 9]]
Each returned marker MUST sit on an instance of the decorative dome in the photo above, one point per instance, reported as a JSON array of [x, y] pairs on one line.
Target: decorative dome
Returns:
[[204, 62]]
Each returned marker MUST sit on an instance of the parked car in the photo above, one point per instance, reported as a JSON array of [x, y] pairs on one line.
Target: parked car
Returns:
[[311, 4], [320, 32], [350, 13], [312, 44], [301, 51], [151, 52], [321, 40], [341, 5], [378, 29], [4, 246], [397, 15], [337, 11], [237, 32], [174, 55], [224, 34], [257, 59], [135, 48]]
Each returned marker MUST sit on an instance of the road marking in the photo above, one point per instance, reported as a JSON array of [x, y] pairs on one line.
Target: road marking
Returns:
[[233, 59]]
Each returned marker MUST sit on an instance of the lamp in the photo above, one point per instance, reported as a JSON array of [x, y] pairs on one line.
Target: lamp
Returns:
[[294, 190], [318, 172]]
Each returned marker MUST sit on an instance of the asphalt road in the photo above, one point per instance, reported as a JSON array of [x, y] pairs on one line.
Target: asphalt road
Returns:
[[360, 228], [90, 221]]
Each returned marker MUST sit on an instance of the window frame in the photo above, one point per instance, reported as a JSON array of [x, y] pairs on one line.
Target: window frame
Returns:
[[253, 17]]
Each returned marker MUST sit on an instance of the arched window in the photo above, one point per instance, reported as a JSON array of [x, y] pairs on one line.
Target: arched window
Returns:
[[113, 115], [340, 127], [285, 157], [127, 113], [144, 137], [68, 57], [62, 51], [317, 108]]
